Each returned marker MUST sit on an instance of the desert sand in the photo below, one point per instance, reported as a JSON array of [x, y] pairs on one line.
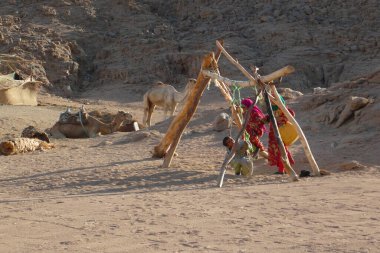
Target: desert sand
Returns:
[[107, 194]]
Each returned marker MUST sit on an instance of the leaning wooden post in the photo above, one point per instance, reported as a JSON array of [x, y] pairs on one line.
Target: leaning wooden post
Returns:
[[189, 109], [284, 156], [304, 142], [179, 123]]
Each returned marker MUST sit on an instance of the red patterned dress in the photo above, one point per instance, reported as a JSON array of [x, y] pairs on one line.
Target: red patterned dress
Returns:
[[273, 149], [255, 127]]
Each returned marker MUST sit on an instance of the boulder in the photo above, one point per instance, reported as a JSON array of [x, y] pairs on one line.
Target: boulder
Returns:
[[222, 122]]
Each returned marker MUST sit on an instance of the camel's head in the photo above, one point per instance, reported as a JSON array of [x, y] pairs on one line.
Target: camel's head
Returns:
[[32, 85], [190, 83], [122, 116]]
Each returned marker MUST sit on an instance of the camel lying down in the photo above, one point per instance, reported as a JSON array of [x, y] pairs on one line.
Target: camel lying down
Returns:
[[87, 126], [23, 145]]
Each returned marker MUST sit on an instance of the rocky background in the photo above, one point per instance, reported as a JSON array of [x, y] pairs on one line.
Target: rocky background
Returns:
[[79, 44]]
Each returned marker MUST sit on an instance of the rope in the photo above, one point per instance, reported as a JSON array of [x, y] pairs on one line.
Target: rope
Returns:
[[236, 93]]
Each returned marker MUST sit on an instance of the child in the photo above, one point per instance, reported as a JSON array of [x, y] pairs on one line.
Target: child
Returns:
[[242, 161]]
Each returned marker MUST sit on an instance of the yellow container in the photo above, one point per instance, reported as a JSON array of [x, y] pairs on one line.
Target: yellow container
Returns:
[[288, 133]]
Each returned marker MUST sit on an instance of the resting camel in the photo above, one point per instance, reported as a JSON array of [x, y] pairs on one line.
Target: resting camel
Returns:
[[126, 126], [91, 127], [166, 96]]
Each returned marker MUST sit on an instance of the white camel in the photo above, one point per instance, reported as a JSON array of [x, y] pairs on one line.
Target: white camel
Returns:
[[166, 96]]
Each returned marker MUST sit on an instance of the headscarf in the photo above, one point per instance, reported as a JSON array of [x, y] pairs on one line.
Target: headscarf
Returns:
[[247, 102]]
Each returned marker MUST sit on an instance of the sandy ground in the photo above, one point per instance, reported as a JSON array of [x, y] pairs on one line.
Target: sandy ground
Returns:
[[107, 194]]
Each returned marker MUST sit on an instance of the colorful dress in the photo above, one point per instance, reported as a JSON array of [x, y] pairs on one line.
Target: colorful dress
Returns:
[[273, 149], [255, 127]]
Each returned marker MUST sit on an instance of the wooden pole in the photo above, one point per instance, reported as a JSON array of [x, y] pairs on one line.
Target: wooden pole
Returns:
[[179, 123], [304, 142], [268, 78], [234, 62], [288, 168], [277, 74]]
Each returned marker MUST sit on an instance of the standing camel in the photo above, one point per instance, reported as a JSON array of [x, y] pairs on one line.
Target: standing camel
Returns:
[[166, 96]]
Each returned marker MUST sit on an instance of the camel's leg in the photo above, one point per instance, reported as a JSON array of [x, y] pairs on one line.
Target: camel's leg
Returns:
[[145, 117], [165, 113], [147, 107], [55, 133], [172, 111], [150, 111], [58, 135], [93, 135]]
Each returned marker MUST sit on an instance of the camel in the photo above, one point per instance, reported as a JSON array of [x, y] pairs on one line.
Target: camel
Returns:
[[90, 127], [126, 126], [166, 96]]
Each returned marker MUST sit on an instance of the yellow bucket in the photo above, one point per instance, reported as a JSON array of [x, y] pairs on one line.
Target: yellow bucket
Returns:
[[288, 133]]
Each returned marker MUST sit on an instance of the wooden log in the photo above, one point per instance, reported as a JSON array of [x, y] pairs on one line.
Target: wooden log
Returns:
[[288, 168], [236, 63], [267, 78], [304, 142], [275, 75], [180, 122], [227, 81]]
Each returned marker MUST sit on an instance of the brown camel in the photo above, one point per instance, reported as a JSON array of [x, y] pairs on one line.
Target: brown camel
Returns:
[[166, 96], [127, 126], [91, 127]]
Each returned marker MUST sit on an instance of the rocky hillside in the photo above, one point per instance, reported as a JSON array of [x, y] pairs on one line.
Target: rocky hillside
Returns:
[[87, 43]]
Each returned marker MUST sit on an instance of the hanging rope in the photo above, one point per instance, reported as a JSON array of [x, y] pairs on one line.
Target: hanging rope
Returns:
[[236, 97], [81, 111]]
